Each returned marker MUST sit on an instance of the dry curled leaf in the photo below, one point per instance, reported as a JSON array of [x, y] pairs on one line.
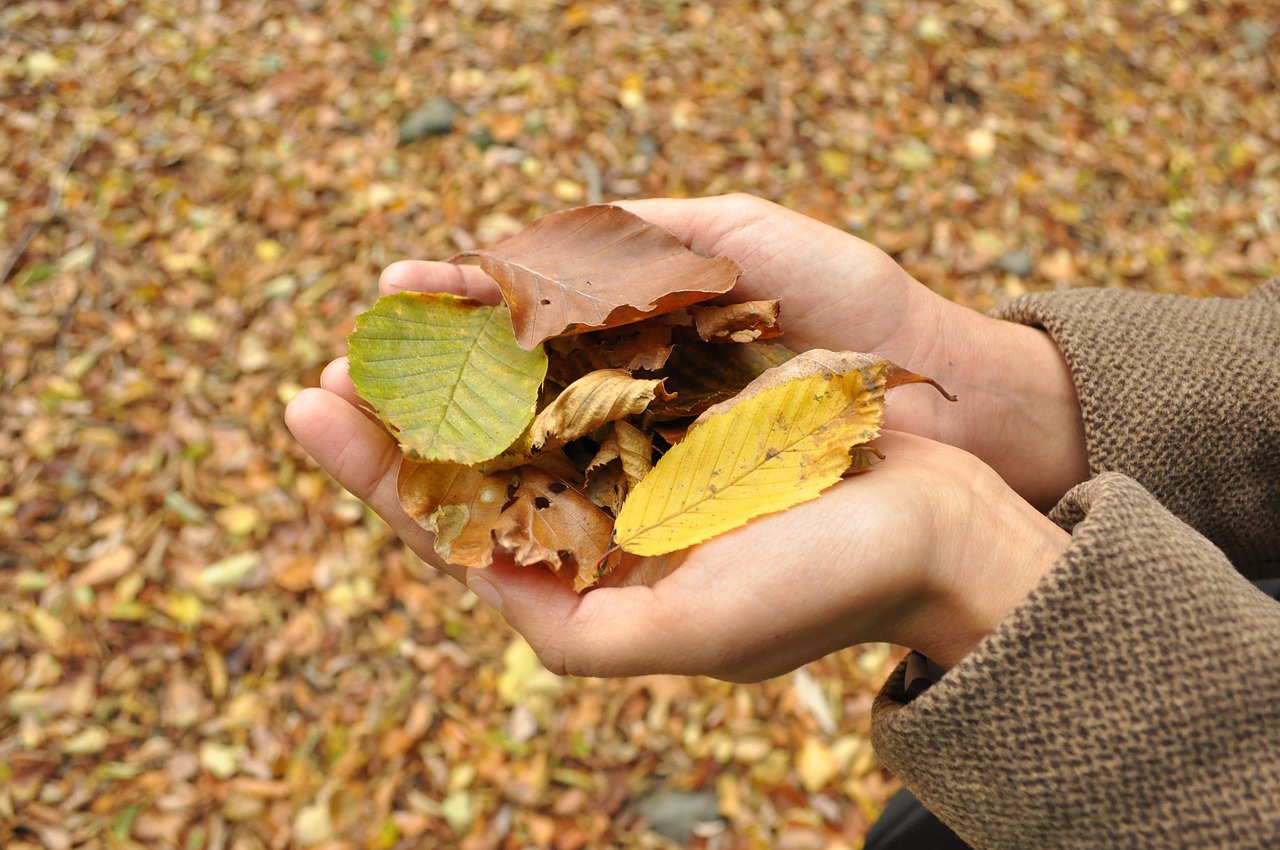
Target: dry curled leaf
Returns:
[[700, 374], [596, 267], [641, 346], [744, 322], [458, 504], [595, 399], [623, 460], [550, 522]]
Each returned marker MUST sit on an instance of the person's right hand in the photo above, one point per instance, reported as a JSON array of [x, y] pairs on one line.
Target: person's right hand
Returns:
[[1017, 406]]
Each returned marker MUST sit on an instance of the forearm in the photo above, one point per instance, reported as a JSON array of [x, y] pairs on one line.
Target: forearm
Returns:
[[1180, 394], [1134, 690]]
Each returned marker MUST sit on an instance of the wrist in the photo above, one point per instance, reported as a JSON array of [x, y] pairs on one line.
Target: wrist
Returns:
[[990, 556], [1017, 411]]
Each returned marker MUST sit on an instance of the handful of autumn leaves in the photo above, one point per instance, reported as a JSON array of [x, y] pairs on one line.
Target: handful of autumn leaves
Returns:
[[602, 409]]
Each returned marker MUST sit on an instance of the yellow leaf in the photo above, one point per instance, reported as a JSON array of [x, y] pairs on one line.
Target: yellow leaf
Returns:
[[781, 441], [185, 608], [816, 765], [219, 759], [835, 163], [595, 399], [238, 520], [92, 740], [523, 675], [268, 250]]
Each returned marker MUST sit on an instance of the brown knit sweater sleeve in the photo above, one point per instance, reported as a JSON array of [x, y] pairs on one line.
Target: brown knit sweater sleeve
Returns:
[[1182, 395], [1133, 698], [1131, 701]]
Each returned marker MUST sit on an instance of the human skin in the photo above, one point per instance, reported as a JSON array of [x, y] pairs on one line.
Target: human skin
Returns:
[[930, 550]]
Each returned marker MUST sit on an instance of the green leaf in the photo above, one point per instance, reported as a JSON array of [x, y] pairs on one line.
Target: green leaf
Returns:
[[445, 374]]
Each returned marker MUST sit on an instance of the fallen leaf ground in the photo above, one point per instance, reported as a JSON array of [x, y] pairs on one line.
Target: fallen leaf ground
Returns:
[[204, 643]]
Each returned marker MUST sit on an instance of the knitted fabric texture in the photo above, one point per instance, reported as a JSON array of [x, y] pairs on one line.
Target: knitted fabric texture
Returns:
[[1182, 395], [1133, 699]]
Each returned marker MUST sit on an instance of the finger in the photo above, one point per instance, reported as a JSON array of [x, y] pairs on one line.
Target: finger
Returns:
[[747, 228], [837, 290], [426, 276], [363, 458], [336, 379]]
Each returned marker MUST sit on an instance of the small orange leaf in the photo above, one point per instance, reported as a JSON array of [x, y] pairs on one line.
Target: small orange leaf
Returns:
[[745, 322], [553, 523], [458, 504]]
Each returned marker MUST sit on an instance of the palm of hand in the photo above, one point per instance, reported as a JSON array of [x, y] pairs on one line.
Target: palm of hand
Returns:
[[857, 564]]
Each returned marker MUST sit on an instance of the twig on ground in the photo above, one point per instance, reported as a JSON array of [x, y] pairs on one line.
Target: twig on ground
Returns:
[[52, 207]]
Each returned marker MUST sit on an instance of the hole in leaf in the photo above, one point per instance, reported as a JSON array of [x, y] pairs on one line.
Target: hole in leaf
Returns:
[[557, 486], [541, 503], [545, 301]]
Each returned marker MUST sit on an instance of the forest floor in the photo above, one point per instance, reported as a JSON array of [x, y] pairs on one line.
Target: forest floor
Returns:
[[205, 643]]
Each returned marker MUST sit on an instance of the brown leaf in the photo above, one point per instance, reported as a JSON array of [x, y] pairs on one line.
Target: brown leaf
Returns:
[[642, 345], [673, 432], [606, 487], [459, 504], [745, 322], [595, 399], [596, 267], [550, 522], [701, 374], [624, 458], [631, 447]]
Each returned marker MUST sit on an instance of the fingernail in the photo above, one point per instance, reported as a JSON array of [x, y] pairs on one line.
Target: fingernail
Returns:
[[488, 593]]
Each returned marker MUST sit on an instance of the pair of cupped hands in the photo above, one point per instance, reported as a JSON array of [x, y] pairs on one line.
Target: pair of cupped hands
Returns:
[[930, 550]]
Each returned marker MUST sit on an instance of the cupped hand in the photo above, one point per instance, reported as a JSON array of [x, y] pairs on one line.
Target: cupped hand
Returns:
[[929, 550], [1017, 407], [1017, 413]]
